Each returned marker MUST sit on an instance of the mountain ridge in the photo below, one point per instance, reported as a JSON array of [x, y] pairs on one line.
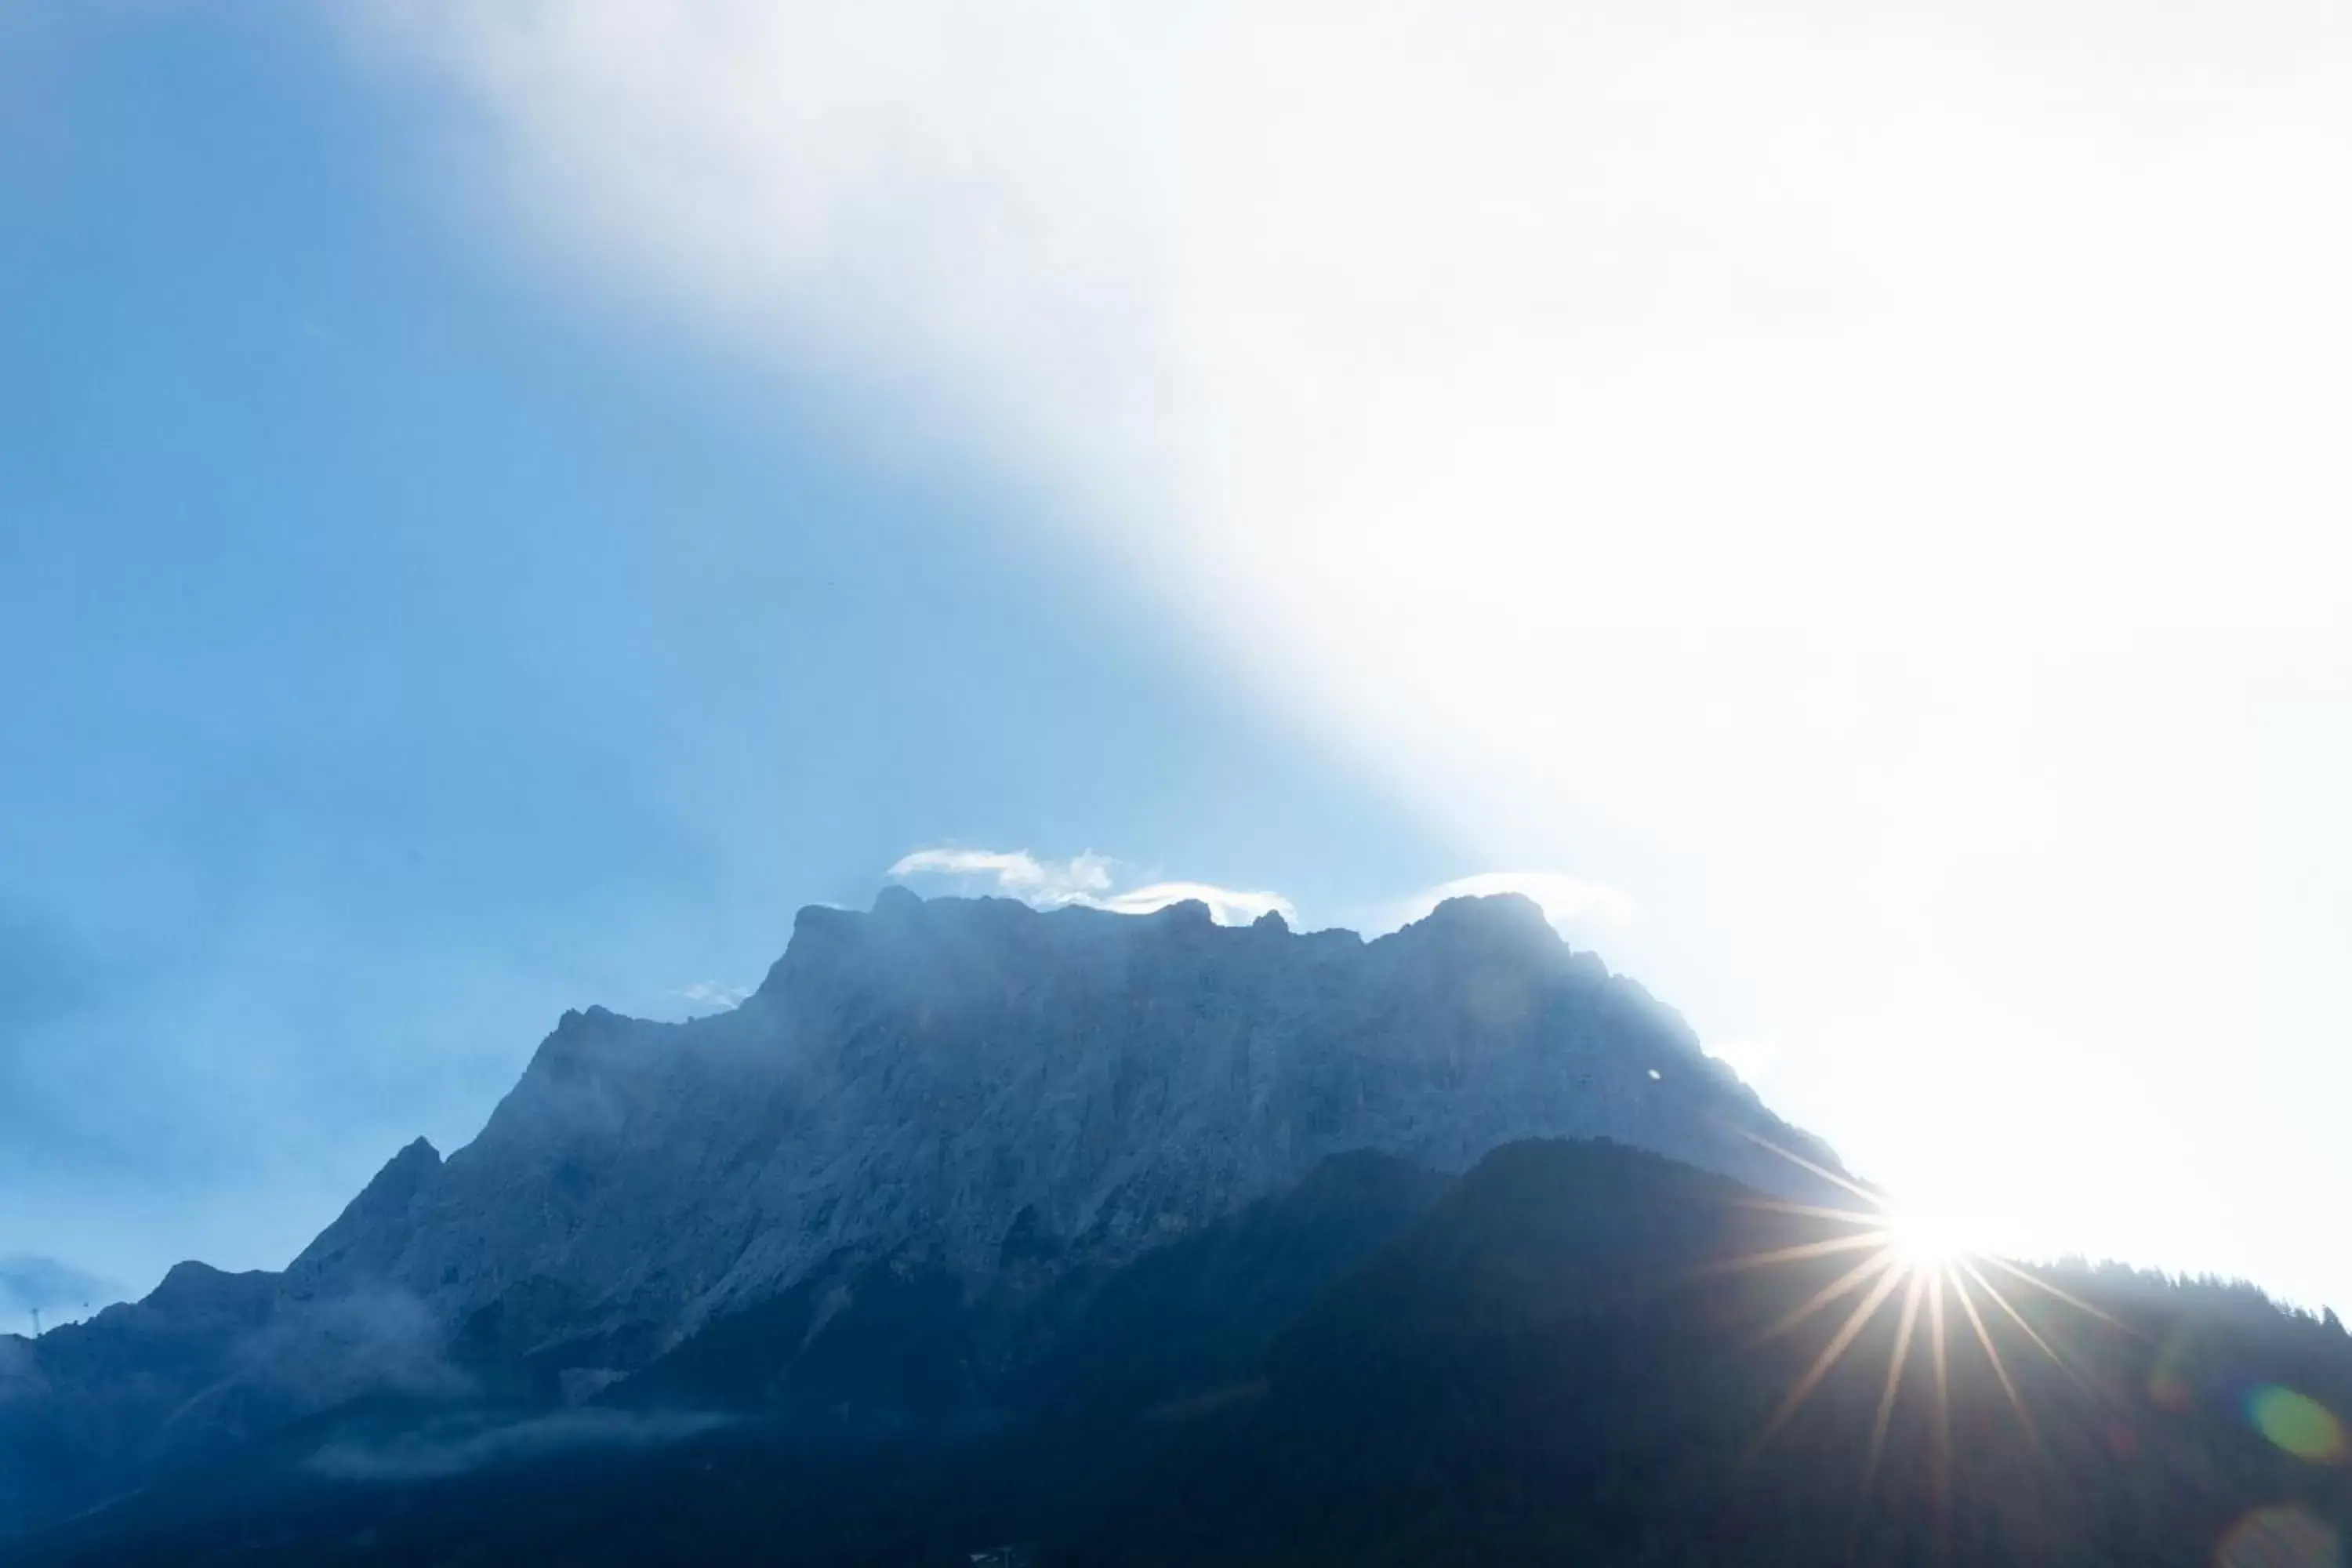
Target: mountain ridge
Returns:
[[947, 1081]]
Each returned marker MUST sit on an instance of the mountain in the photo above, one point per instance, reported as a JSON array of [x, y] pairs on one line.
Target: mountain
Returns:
[[959, 1116], [982, 1234], [1577, 1352]]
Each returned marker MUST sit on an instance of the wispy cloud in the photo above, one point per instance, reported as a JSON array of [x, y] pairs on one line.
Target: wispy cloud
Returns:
[[1564, 899], [1086, 879], [1227, 906], [711, 993], [350, 1344], [1048, 884], [461, 1446], [30, 1282]]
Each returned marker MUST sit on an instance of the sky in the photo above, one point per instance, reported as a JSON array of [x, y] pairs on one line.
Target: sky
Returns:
[[502, 502]]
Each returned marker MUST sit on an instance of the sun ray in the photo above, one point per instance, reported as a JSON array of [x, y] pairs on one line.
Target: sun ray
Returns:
[[1992, 1354], [2003, 1303], [1813, 1211], [1873, 1199], [1936, 1344], [2059, 1357], [1896, 1361], [1798, 1253], [1851, 1281], [1942, 1433], [1839, 1343], [2073, 1301]]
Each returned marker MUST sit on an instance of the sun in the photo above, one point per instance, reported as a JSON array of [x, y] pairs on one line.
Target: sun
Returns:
[[1915, 1262], [1925, 1237]]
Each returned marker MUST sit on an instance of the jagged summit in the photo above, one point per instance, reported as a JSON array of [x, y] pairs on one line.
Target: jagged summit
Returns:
[[360, 1239], [925, 1071]]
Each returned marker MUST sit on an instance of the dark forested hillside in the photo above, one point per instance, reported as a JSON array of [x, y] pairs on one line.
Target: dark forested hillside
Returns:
[[1578, 1353], [1556, 1366]]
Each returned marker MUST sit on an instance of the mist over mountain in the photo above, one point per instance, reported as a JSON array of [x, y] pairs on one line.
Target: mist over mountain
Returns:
[[32, 1283], [1147, 1239]]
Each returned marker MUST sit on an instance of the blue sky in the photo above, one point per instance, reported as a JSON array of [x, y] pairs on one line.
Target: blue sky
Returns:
[[390, 658], [501, 502]]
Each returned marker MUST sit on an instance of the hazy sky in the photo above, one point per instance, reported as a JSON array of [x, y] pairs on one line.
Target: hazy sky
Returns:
[[501, 501]]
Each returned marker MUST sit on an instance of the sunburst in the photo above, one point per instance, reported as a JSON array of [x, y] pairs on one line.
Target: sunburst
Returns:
[[1919, 1268]]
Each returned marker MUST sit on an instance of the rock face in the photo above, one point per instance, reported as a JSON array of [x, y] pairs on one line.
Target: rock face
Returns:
[[957, 1075], [972, 1085]]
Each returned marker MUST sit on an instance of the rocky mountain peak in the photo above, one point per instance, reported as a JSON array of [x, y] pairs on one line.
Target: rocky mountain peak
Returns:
[[363, 1240], [948, 1089], [925, 1071]]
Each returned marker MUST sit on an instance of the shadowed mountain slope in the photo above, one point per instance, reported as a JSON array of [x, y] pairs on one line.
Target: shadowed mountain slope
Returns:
[[1558, 1365], [1568, 1355]]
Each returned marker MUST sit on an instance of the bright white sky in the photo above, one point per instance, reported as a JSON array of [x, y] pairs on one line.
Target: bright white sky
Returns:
[[1864, 484]]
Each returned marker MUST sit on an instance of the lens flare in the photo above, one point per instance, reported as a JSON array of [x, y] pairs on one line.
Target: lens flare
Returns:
[[2300, 1425], [2168, 1380], [2280, 1538]]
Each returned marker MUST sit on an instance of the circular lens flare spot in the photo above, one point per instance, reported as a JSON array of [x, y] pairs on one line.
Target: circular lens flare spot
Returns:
[[2300, 1425], [2280, 1538], [2168, 1380]]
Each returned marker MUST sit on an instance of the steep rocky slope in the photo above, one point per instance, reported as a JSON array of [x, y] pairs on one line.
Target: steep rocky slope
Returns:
[[967, 1086], [952, 1073]]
